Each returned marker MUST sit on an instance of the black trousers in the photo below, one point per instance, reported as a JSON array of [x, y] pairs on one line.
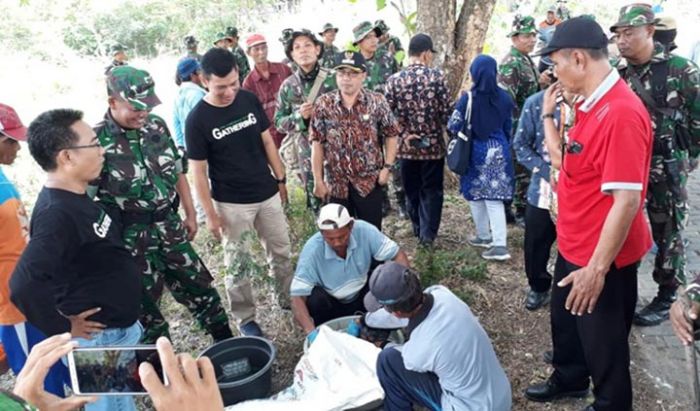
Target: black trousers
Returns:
[[540, 233], [596, 345], [422, 182], [324, 307], [367, 208]]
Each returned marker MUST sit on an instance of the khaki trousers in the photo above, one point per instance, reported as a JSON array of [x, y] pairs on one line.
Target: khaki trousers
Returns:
[[239, 221]]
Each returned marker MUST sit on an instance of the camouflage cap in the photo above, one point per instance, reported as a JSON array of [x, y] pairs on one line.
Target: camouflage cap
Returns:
[[133, 85], [190, 41], [361, 31], [231, 32], [381, 25], [286, 36], [219, 36], [117, 48], [326, 27], [633, 15], [523, 25]]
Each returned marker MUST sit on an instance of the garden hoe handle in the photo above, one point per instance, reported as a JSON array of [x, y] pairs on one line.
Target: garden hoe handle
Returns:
[[691, 358]]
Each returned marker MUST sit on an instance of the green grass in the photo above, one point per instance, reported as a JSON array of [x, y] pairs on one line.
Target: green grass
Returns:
[[436, 265]]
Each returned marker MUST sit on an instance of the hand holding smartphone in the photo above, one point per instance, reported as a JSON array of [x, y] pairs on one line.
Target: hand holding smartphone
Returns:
[[111, 370]]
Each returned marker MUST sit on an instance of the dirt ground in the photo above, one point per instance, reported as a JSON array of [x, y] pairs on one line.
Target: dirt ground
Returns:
[[494, 291]]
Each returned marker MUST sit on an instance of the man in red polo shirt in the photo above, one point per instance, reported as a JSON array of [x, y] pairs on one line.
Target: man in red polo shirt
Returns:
[[601, 229], [265, 79]]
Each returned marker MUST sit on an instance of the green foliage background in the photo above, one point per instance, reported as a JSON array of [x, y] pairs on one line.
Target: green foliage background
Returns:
[[145, 27]]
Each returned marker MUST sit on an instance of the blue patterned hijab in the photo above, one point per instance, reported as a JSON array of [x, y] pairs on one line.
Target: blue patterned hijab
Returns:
[[492, 106]]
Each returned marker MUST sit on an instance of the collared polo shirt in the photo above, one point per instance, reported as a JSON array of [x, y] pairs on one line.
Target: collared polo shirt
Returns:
[[343, 278], [266, 89], [609, 149]]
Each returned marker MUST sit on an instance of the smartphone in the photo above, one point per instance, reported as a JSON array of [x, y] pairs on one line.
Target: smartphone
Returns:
[[111, 370], [423, 142]]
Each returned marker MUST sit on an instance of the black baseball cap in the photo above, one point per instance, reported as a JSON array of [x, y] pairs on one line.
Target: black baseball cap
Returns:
[[419, 43], [577, 33], [350, 59], [390, 283]]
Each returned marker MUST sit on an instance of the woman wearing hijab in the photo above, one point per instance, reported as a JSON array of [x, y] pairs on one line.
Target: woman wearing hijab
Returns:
[[489, 179]]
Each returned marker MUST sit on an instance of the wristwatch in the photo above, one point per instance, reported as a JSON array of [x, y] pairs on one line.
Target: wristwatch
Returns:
[[390, 166], [282, 180], [548, 115]]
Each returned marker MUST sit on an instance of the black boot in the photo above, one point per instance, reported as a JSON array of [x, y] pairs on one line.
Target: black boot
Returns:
[[220, 333], [656, 311]]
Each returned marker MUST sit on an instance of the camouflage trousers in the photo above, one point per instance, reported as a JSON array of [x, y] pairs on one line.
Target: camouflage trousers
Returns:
[[166, 258], [668, 215], [296, 153]]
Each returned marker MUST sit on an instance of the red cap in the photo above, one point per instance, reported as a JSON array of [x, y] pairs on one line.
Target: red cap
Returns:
[[254, 40], [11, 125]]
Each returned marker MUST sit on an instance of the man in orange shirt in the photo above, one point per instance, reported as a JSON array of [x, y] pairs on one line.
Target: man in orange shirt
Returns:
[[17, 336], [551, 21]]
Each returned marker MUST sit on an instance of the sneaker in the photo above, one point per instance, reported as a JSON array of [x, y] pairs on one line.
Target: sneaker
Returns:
[[250, 329], [498, 253], [479, 242]]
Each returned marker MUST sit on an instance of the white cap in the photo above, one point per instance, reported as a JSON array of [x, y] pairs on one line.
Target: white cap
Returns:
[[333, 216]]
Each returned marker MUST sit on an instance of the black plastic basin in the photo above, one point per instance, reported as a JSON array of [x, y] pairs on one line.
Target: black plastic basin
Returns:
[[243, 368]]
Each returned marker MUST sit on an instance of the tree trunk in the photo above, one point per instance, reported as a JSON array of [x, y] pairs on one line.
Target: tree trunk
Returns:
[[458, 38]]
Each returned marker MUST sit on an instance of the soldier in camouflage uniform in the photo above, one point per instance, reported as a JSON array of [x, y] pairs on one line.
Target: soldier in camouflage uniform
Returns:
[[389, 44], [142, 174], [119, 57], [518, 75], [329, 50], [284, 39], [294, 108], [380, 66], [649, 68], [241, 58], [191, 47]]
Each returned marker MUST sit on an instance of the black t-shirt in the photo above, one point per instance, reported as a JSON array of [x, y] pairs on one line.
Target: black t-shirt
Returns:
[[75, 260], [230, 139]]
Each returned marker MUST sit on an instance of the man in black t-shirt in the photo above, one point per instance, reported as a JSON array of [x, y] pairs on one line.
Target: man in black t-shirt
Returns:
[[75, 259], [227, 137]]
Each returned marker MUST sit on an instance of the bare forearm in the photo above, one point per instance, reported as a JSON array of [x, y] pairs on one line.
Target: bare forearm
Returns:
[[402, 259], [615, 230], [273, 156], [201, 186], [183, 189], [301, 314], [391, 146], [317, 161]]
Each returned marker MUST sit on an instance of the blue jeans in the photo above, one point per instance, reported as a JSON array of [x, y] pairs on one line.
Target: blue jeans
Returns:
[[113, 336], [404, 388]]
